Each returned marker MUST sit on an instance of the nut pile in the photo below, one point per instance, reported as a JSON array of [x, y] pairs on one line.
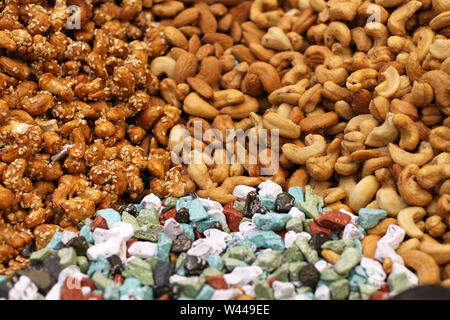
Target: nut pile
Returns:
[[93, 104]]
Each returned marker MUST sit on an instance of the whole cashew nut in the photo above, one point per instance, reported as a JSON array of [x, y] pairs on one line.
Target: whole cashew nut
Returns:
[[390, 201], [410, 190], [407, 219], [423, 155], [384, 134], [315, 146], [363, 193], [425, 266], [163, 65], [391, 84]]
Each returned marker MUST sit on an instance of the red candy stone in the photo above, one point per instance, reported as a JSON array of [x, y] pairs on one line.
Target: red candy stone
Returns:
[[379, 295], [281, 233], [71, 289], [271, 280], [118, 278], [128, 244], [232, 216], [333, 219], [99, 222], [87, 282], [167, 215], [217, 282], [198, 235], [314, 228], [165, 296]]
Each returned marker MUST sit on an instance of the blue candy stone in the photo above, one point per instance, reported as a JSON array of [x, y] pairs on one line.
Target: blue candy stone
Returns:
[[206, 293], [206, 224], [86, 232], [215, 261], [55, 244], [269, 203], [112, 293], [131, 286], [164, 246], [369, 218], [188, 231], [100, 265], [358, 244], [197, 212], [184, 202], [271, 221], [297, 193], [266, 239], [111, 216]]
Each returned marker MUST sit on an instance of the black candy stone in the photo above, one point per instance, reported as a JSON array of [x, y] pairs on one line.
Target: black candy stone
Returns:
[[182, 216], [41, 278], [309, 276], [317, 240], [253, 205], [52, 266], [79, 244], [284, 202], [27, 250], [129, 208], [162, 272], [181, 245], [194, 265], [115, 265], [172, 290]]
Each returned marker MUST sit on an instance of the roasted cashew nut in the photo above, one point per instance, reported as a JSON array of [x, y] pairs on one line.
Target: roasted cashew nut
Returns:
[[407, 219], [315, 146], [425, 266], [410, 190], [423, 155]]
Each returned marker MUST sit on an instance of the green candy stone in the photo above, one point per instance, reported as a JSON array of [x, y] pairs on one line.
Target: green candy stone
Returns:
[[339, 289], [268, 260], [139, 269], [263, 291], [348, 260]]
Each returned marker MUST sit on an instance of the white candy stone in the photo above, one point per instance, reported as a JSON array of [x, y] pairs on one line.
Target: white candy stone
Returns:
[[204, 247], [174, 279], [67, 236], [241, 191], [283, 290], [113, 246], [269, 189], [225, 294], [214, 213], [24, 289], [151, 201], [411, 276], [247, 227], [304, 235], [247, 274], [296, 212], [384, 250], [172, 228], [322, 293], [289, 238], [354, 219], [374, 271], [54, 293], [209, 204], [143, 249], [352, 232], [249, 289], [217, 235], [123, 230], [394, 236], [321, 265], [70, 271]]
